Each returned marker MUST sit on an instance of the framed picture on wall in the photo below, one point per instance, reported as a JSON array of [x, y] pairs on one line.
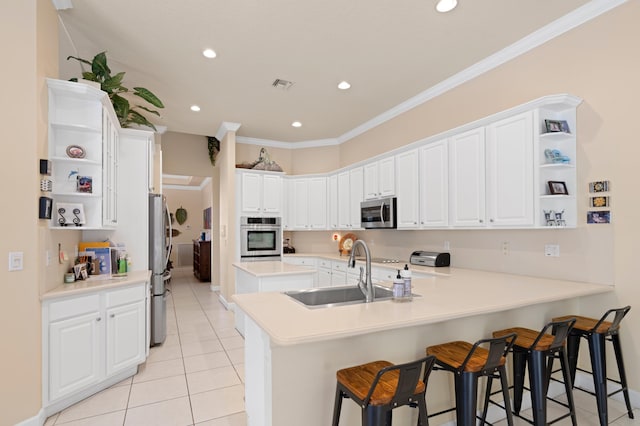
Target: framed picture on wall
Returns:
[[206, 218]]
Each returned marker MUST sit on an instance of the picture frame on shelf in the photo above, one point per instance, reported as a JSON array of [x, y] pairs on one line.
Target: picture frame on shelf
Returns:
[[557, 187], [601, 216], [556, 126], [45, 167], [75, 151], [85, 184], [45, 207]]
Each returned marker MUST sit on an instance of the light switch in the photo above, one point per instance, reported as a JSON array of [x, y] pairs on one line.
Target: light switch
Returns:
[[16, 261]]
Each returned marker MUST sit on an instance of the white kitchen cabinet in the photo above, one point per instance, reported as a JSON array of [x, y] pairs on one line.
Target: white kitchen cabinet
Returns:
[[467, 178], [324, 277], [287, 204], [332, 195], [408, 191], [344, 192], [83, 150], [434, 185], [379, 178], [350, 195], [260, 193], [125, 336], [91, 341], [309, 203], [509, 161], [75, 350]]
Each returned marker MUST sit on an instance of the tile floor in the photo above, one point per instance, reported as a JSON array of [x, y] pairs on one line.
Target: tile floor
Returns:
[[195, 378]]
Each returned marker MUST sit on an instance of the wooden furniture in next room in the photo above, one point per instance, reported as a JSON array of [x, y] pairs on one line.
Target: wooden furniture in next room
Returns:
[[202, 260]]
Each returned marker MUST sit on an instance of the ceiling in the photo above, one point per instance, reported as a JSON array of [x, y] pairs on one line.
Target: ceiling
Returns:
[[390, 51]]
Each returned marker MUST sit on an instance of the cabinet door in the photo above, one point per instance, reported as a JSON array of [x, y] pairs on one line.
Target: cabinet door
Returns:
[[251, 201], [272, 195], [344, 190], [125, 336], [338, 278], [356, 194], [300, 204], [324, 277], [387, 177], [333, 201], [434, 185], [467, 178], [317, 211], [287, 204], [509, 154], [371, 181], [75, 348], [407, 193]]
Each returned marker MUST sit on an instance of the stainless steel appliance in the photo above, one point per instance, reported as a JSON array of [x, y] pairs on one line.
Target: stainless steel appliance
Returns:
[[430, 258], [159, 250], [260, 238], [378, 214]]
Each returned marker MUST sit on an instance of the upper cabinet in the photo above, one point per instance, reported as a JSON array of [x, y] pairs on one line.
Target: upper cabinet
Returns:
[[83, 150], [260, 193], [379, 178], [308, 198]]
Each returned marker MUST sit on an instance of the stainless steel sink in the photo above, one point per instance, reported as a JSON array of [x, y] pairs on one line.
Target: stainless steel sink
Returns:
[[336, 296]]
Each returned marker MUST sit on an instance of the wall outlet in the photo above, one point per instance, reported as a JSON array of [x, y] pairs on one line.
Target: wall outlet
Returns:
[[505, 248], [552, 250], [16, 261]]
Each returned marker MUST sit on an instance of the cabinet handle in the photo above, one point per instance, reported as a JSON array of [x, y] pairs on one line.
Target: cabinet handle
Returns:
[[490, 220], [481, 221], [112, 315], [98, 319]]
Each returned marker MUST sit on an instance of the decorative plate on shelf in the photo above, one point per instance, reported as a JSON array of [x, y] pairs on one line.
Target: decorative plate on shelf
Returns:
[[346, 242], [75, 151]]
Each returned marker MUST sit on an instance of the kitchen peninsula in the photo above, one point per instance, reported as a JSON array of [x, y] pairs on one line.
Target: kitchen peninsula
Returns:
[[292, 352]]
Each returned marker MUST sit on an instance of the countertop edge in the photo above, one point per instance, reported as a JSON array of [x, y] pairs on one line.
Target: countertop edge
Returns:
[[90, 286]]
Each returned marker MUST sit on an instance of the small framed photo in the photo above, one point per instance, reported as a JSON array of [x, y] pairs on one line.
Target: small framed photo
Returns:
[[45, 207], [557, 188], [555, 126], [45, 167], [599, 186], [602, 216], [599, 201], [85, 184]]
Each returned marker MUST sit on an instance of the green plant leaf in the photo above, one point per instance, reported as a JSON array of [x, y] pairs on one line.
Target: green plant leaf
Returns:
[[79, 59], [121, 107], [148, 96], [152, 111], [89, 76], [99, 66], [137, 118], [113, 83]]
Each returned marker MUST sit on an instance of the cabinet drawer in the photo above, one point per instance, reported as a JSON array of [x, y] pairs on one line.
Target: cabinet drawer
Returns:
[[74, 307], [304, 261], [324, 263], [126, 295], [340, 266]]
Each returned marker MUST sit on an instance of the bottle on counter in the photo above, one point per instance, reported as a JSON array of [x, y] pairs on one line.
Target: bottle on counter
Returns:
[[406, 277], [398, 288]]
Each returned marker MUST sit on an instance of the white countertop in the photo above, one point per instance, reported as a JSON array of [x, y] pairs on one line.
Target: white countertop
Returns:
[[96, 283], [461, 293], [273, 268]]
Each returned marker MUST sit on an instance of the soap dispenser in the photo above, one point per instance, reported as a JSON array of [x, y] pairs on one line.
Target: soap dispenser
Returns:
[[398, 288]]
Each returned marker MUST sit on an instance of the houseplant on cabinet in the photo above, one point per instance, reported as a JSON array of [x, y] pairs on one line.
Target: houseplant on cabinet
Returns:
[[112, 85]]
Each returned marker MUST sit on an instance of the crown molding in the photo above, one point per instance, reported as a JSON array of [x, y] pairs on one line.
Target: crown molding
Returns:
[[287, 145], [62, 4]]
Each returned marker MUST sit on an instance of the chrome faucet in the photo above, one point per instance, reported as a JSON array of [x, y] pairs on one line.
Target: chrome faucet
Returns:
[[366, 286]]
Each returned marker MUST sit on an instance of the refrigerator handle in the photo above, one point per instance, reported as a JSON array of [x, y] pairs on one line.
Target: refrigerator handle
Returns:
[[166, 261]]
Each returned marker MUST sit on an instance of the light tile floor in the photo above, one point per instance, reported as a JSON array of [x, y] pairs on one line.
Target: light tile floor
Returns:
[[196, 377]]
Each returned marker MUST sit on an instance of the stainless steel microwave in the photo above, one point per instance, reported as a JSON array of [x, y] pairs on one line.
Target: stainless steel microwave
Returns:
[[378, 214]]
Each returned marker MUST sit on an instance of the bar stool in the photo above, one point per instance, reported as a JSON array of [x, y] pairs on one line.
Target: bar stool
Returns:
[[597, 332], [469, 362], [378, 387], [538, 349]]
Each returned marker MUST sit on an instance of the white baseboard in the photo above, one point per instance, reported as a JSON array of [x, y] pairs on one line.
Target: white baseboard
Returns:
[[37, 420], [214, 287], [230, 306]]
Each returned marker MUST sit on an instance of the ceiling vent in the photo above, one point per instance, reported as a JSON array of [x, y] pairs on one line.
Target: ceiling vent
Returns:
[[278, 83]]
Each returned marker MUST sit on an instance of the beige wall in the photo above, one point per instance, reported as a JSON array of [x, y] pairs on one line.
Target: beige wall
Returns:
[[227, 241], [28, 35], [191, 201], [594, 62], [250, 153]]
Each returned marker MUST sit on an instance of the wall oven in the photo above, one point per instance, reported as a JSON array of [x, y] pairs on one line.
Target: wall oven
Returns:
[[260, 238]]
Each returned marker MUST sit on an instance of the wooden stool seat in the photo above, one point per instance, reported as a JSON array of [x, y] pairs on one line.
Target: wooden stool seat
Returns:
[[597, 332], [455, 353], [587, 324], [526, 338], [358, 380]]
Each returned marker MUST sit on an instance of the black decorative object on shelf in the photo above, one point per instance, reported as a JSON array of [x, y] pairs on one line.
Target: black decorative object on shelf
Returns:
[[62, 221], [44, 210], [45, 167], [76, 219]]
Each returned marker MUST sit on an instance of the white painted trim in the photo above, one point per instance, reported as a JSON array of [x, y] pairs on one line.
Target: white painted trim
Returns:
[[182, 187], [225, 128], [62, 4], [287, 145], [37, 420]]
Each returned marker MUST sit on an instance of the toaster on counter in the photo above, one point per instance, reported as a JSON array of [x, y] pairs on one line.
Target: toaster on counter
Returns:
[[430, 258]]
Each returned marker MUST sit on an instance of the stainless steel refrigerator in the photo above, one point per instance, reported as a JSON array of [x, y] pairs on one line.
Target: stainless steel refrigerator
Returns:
[[159, 250]]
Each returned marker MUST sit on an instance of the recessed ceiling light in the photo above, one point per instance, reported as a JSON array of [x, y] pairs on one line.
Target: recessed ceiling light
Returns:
[[209, 53], [296, 124], [344, 85], [446, 5], [195, 108]]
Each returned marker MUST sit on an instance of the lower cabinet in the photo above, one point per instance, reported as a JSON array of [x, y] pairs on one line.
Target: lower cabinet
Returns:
[[90, 338]]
